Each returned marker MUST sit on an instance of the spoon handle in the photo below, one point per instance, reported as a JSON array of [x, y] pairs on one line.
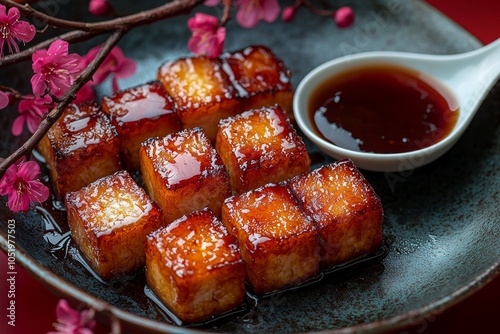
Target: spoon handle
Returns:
[[483, 67]]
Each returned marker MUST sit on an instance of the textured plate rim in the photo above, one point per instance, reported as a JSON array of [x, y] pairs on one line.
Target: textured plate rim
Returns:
[[107, 313]]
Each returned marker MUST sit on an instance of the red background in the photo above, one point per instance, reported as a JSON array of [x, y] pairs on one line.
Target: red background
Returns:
[[35, 305]]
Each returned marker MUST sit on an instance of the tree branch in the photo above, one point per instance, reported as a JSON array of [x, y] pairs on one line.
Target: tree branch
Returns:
[[123, 23], [70, 37]]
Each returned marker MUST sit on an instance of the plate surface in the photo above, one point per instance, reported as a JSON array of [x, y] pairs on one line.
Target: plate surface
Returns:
[[441, 221]]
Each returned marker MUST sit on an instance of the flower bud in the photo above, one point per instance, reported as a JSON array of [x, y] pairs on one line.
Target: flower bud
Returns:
[[99, 7], [288, 13], [344, 17]]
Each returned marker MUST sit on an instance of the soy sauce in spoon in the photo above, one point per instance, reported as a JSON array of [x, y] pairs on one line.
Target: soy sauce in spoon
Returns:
[[468, 77], [382, 108]]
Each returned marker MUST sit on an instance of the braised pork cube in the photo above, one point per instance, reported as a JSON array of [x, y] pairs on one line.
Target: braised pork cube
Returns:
[[346, 209], [183, 173], [109, 220], [194, 266], [277, 240], [260, 146], [81, 147], [202, 92], [139, 113], [261, 79]]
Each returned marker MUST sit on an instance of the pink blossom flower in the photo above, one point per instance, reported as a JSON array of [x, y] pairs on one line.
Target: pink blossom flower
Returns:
[[208, 38], [31, 111], [55, 69], [115, 63], [344, 17], [21, 187], [11, 29], [4, 100], [250, 12], [99, 7], [70, 321]]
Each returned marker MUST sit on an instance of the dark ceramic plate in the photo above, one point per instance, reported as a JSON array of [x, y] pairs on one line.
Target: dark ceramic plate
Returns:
[[441, 222]]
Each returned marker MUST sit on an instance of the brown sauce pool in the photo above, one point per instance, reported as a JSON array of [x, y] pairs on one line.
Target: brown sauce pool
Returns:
[[382, 109]]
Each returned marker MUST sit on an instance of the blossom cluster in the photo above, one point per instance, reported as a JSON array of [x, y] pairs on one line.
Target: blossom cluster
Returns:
[[71, 321], [208, 34], [55, 70]]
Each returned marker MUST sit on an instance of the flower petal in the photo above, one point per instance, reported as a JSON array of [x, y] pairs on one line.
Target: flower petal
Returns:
[[39, 192], [38, 84], [18, 125], [13, 15], [33, 122], [86, 93], [38, 60], [5, 186], [58, 48], [247, 19], [270, 10], [67, 315], [4, 100], [85, 331], [10, 174], [28, 170], [203, 21], [127, 68], [18, 202], [23, 31]]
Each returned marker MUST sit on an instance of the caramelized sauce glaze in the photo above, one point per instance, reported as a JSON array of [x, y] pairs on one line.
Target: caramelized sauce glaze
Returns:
[[184, 157], [256, 69], [146, 102]]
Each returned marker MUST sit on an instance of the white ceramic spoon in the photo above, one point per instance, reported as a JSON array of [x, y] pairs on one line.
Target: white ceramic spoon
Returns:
[[468, 77]]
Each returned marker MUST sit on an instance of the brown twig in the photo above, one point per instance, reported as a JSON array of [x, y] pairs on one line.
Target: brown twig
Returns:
[[123, 23], [316, 10], [54, 115], [226, 14], [14, 92]]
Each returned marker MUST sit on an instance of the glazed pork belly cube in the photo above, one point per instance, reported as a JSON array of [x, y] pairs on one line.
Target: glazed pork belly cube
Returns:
[[81, 147], [194, 266], [346, 209], [260, 146], [260, 77], [140, 113], [109, 220], [183, 173], [202, 92], [278, 241]]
